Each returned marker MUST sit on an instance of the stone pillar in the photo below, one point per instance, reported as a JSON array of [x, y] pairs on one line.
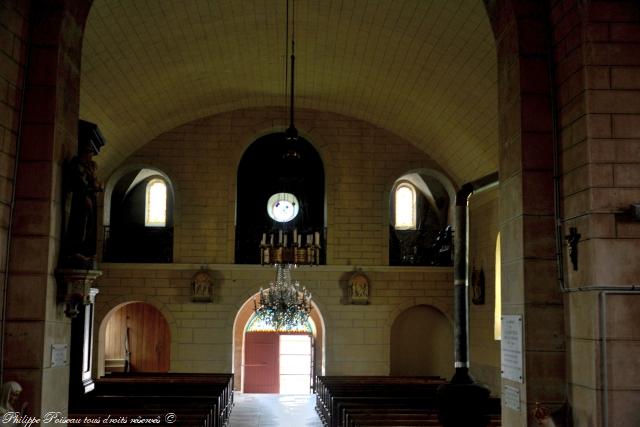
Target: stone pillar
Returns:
[[530, 288], [35, 320], [597, 46]]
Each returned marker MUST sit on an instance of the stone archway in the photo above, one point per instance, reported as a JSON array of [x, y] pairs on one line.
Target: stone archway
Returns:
[[421, 343], [137, 339], [243, 317], [102, 319]]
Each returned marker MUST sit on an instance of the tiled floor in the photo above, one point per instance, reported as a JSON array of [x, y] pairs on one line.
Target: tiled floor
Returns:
[[274, 410]]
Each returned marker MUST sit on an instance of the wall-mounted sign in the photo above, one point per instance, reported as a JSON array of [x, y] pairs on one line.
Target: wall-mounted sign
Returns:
[[511, 348], [511, 397], [59, 355]]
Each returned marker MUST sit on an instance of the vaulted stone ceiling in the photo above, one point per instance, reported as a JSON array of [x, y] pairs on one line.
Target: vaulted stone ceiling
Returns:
[[423, 69]]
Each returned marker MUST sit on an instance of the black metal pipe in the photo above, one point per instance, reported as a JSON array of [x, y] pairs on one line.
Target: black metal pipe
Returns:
[[293, 76], [460, 279], [460, 291]]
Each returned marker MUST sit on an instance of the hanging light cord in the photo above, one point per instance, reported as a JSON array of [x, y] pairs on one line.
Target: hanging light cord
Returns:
[[286, 58], [293, 58]]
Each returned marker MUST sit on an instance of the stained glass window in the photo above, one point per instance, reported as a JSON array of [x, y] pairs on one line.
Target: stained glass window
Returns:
[[257, 324]]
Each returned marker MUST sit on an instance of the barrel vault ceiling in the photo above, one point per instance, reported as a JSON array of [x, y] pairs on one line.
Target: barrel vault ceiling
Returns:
[[422, 69]]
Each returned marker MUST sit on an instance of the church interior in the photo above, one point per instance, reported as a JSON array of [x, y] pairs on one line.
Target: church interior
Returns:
[[454, 184]]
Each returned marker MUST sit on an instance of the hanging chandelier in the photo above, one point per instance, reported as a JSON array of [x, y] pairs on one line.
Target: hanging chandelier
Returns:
[[285, 247], [284, 305]]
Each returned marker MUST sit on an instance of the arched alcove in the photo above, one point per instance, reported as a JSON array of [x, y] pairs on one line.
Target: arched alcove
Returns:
[[421, 343], [244, 316], [269, 166], [426, 239], [129, 236], [135, 336]]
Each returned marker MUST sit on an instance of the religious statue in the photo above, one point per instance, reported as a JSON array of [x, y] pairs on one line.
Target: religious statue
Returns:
[[359, 288], [81, 187], [202, 287], [9, 414], [477, 286]]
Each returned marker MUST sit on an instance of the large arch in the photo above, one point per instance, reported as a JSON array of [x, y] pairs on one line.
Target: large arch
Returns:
[[515, 24], [242, 317], [282, 167]]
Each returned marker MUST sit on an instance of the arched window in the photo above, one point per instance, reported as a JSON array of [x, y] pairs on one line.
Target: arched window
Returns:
[[257, 324], [139, 226], [497, 313], [280, 188], [156, 204], [419, 230], [405, 209]]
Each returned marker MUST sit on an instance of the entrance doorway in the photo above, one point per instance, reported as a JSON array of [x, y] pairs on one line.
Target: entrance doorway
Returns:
[[295, 364], [278, 362], [294, 360]]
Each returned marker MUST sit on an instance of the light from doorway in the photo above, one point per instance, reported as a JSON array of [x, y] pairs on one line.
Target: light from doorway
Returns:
[[295, 364]]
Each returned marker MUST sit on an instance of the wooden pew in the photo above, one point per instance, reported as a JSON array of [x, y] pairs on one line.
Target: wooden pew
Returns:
[[335, 395], [383, 401], [203, 400], [198, 384]]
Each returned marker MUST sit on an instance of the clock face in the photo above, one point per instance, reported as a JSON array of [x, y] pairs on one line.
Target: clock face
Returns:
[[283, 207], [283, 211]]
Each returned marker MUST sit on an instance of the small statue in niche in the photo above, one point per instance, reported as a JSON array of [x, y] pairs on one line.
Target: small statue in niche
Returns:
[[9, 414], [359, 288], [81, 187], [202, 287]]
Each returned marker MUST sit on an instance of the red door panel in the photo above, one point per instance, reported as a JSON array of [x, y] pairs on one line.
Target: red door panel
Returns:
[[261, 362]]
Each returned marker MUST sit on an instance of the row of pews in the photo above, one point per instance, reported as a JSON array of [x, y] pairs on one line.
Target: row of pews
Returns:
[[166, 399], [350, 401]]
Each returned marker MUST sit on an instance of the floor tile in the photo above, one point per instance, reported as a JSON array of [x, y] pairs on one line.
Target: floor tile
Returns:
[[274, 410]]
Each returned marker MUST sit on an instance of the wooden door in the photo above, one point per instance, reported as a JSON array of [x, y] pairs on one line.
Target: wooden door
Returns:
[[261, 362], [149, 339]]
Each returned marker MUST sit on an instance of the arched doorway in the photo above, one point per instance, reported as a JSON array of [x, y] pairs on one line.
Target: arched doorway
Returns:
[[264, 345], [137, 339], [421, 343], [278, 361]]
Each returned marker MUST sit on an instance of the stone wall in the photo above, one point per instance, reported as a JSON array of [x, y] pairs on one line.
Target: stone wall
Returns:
[[34, 318], [361, 163], [356, 336], [483, 232], [526, 217], [597, 45], [13, 37]]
